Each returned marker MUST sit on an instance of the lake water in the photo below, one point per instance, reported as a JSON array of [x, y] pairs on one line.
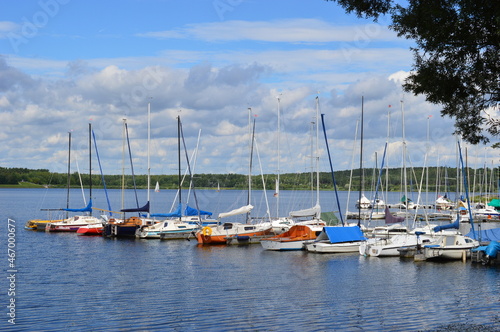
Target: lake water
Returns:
[[65, 282]]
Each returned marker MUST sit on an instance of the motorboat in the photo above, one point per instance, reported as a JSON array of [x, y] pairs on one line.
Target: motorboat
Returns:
[[450, 247]]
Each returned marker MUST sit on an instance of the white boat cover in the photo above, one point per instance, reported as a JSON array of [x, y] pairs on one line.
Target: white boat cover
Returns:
[[364, 200], [235, 212], [315, 211]]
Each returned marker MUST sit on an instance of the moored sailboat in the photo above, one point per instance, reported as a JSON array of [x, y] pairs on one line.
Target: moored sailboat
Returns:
[[295, 238], [174, 226], [178, 224], [337, 239], [72, 224], [91, 229], [226, 232], [126, 227]]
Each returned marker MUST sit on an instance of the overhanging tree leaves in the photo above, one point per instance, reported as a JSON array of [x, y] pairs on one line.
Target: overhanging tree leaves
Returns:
[[457, 58]]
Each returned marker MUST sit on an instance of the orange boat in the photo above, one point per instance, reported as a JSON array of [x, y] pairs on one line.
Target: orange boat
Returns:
[[295, 238]]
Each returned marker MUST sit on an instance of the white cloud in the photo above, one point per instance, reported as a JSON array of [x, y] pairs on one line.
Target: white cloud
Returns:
[[280, 31], [7, 28]]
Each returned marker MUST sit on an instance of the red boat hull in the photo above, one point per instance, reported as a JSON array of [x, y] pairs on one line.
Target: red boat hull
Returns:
[[89, 231]]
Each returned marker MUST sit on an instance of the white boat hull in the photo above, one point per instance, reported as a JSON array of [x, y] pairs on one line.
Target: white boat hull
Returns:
[[283, 245], [170, 229], [389, 247], [447, 254], [450, 247], [321, 247]]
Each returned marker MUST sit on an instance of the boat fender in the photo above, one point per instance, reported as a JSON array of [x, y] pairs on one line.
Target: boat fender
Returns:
[[207, 231]]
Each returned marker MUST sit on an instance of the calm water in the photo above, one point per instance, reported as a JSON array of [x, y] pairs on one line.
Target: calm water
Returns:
[[66, 282]]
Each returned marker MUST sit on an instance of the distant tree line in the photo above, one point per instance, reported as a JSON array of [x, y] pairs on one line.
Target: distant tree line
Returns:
[[436, 179]]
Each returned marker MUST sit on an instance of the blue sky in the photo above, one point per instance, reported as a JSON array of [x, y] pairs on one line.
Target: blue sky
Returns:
[[66, 63]]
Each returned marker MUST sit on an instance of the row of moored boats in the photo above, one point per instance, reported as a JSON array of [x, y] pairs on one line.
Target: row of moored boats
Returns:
[[296, 232]]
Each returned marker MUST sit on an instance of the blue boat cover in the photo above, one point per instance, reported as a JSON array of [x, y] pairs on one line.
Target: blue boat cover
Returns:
[[175, 214], [189, 211], [88, 208], [455, 225], [145, 208], [492, 249], [338, 234], [485, 234]]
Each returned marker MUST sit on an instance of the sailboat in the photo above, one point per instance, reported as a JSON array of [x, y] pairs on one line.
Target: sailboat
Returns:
[[279, 224], [41, 224], [96, 229], [363, 203], [225, 233], [72, 224], [173, 227], [126, 227], [336, 239], [454, 246], [302, 232]]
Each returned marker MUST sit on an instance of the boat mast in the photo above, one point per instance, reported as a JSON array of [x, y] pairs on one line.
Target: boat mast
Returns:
[[331, 169], [149, 158], [311, 166], [279, 157], [361, 163], [251, 162], [317, 151], [352, 166], [250, 141], [123, 164], [404, 157], [179, 159], [427, 168], [387, 164], [90, 163], [69, 170]]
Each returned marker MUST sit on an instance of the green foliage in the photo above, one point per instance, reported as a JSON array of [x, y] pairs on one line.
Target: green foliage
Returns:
[[457, 58], [441, 179]]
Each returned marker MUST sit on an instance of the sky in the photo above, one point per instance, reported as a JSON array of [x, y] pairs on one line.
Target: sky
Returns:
[[220, 66]]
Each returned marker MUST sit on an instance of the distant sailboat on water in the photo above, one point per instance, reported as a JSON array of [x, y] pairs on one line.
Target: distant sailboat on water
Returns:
[[157, 188]]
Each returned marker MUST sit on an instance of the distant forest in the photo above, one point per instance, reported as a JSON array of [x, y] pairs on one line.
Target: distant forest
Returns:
[[442, 179]]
